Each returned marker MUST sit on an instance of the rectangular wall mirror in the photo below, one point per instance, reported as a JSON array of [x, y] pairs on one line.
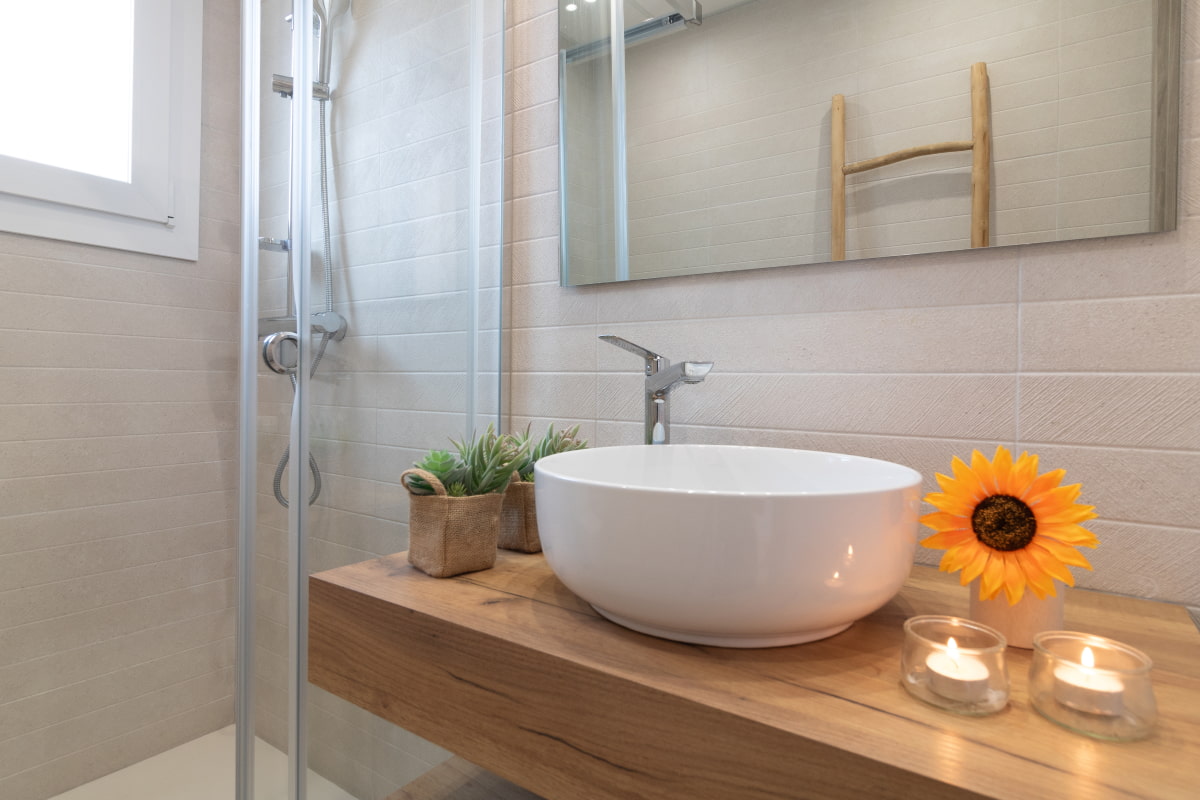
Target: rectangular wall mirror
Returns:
[[725, 135]]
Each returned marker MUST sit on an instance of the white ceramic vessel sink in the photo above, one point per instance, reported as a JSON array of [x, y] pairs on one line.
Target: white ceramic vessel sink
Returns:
[[728, 546]]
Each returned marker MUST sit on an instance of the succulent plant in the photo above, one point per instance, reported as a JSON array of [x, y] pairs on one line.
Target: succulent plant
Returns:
[[552, 442], [481, 465], [489, 461], [444, 465]]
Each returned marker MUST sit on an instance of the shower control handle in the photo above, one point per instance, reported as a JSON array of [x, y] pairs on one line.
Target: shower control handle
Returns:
[[280, 352]]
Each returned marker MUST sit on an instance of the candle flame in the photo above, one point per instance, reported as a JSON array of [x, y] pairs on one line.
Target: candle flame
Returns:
[[1088, 659], [952, 651]]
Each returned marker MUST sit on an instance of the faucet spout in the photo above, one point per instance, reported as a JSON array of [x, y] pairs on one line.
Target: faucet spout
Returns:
[[684, 372]]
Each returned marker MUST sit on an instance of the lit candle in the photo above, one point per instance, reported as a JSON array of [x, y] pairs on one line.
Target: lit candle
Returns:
[[957, 676], [1083, 688]]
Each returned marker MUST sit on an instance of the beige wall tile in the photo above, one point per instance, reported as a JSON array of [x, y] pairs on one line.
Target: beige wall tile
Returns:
[[1144, 560], [1157, 411], [1118, 335]]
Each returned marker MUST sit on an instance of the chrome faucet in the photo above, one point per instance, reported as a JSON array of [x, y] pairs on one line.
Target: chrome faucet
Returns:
[[661, 378]]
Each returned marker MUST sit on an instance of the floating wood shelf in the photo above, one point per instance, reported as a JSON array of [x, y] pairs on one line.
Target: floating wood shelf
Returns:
[[513, 672]]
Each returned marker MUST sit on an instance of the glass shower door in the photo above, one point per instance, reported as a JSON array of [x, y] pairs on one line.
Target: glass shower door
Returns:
[[374, 139]]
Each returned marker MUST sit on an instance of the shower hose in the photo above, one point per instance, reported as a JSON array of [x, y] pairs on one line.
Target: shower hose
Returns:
[[327, 252]]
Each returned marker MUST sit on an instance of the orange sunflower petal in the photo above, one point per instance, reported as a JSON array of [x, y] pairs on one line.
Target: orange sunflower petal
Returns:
[[943, 540], [941, 521], [957, 557], [1040, 582], [983, 471], [992, 577], [1056, 499], [1002, 467], [964, 488], [1042, 484], [1063, 552], [1023, 475], [1050, 564], [951, 503], [1071, 514], [967, 482], [1014, 579], [1071, 534], [973, 568]]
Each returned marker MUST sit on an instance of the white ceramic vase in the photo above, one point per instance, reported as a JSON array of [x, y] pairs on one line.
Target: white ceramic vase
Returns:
[[1019, 623]]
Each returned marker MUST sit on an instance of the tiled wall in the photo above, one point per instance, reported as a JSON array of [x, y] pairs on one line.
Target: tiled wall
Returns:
[[396, 386], [1087, 353], [117, 481], [728, 128]]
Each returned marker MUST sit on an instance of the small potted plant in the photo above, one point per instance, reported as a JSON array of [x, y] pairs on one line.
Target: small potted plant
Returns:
[[454, 503], [518, 515]]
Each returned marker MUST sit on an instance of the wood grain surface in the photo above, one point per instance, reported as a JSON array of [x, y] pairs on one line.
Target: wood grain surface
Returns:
[[510, 670]]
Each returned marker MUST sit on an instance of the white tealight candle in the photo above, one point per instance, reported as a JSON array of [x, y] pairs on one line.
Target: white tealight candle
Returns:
[[957, 676], [1081, 687]]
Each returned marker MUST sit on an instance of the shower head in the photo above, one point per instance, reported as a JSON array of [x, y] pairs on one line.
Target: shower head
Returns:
[[321, 29], [321, 21]]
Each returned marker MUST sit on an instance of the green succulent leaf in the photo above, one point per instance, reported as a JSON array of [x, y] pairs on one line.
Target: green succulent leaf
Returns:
[[525, 465], [553, 442], [488, 461], [443, 464]]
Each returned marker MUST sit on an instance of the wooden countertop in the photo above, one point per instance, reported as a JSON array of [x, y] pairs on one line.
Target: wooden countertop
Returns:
[[513, 672]]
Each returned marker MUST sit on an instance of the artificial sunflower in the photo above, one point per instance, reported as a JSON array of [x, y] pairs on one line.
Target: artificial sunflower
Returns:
[[1003, 523]]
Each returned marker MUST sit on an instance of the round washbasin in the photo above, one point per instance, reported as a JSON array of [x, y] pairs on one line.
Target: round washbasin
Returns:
[[729, 546]]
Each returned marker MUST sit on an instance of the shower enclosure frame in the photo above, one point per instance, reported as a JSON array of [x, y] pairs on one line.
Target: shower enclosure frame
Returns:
[[300, 256], [299, 244]]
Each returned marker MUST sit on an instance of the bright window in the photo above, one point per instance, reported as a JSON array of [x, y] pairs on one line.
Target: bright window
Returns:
[[100, 142]]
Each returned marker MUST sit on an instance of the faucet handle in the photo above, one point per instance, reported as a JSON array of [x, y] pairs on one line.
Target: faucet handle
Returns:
[[654, 362]]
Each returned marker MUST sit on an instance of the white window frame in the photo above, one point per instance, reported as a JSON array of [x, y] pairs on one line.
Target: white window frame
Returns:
[[158, 212]]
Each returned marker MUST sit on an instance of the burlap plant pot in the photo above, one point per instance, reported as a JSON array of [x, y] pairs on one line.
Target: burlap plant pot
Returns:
[[518, 518], [451, 535]]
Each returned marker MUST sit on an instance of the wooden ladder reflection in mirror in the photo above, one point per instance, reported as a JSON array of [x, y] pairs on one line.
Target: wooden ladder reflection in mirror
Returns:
[[980, 146]]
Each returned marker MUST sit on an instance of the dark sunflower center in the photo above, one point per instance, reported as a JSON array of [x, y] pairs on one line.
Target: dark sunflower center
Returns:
[[1003, 523]]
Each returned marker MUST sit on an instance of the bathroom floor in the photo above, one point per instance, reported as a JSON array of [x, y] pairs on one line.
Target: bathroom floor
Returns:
[[202, 769]]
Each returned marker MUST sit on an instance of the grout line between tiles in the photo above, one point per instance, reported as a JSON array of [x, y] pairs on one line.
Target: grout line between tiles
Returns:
[[1020, 351], [226, 490]]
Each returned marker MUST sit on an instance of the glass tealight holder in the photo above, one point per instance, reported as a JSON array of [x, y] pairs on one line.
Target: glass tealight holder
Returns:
[[1092, 685], [955, 664]]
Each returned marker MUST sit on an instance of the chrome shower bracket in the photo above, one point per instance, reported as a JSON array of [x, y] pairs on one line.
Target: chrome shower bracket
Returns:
[[324, 323]]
